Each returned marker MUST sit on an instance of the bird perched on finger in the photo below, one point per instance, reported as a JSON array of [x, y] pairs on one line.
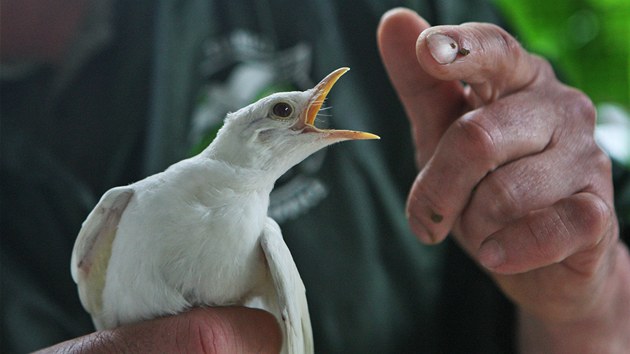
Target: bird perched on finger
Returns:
[[198, 234]]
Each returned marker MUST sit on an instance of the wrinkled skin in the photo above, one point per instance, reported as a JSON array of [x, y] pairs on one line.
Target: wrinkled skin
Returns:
[[509, 165]]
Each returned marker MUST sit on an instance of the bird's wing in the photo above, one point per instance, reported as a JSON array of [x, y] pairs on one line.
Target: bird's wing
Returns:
[[289, 288], [93, 247]]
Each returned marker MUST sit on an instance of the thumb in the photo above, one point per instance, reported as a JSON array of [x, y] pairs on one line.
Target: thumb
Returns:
[[431, 103], [483, 55], [200, 330]]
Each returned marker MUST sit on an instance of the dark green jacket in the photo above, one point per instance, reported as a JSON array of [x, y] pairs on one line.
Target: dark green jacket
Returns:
[[156, 92]]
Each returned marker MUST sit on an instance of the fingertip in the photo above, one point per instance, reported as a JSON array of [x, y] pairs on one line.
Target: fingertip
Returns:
[[398, 23], [421, 232], [426, 224], [491, 254], [396, 14]]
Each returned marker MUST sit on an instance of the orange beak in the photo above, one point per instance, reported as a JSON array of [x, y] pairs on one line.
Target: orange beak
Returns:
[[321, 91]]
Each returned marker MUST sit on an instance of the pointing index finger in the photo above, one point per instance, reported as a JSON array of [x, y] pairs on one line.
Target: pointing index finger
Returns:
[[483, 55], [431, 103]]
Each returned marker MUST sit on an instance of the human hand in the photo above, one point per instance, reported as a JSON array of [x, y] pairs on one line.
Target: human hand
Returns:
[[510, 168], [200, 330]]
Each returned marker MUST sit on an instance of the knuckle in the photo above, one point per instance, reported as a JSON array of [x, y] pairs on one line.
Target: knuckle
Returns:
[[602, 163], [475, 138], [543, 67], [511, 46], [590, 217], [506, 205], [579, 106]]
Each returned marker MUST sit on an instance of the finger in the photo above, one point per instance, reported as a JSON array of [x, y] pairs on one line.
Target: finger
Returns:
[[431, 104], [531, 183], [476, 144], [548, 236], [229, 330], [201, 330], [216, 330], [493, 136], [483, 55]]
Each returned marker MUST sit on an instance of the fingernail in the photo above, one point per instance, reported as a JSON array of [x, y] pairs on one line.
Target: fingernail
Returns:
[[443, 48], [491, 254]]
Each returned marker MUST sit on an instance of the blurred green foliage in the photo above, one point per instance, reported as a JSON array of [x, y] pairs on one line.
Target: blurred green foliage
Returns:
[[587, 40]]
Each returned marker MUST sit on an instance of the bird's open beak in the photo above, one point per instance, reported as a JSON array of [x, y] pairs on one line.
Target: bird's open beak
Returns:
[[307, 121]]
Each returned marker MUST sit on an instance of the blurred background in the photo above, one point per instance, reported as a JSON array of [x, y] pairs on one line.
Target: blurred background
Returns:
[[588, 41]]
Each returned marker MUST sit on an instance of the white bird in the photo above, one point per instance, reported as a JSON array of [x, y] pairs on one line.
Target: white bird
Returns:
[[198, 233]]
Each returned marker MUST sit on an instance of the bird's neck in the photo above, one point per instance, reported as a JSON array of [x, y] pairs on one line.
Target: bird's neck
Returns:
[[241, 156]]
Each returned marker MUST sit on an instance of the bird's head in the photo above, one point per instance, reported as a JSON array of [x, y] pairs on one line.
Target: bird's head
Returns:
[[278, 131]]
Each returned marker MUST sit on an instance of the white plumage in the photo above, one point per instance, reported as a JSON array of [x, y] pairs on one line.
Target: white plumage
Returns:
[[198, 233]]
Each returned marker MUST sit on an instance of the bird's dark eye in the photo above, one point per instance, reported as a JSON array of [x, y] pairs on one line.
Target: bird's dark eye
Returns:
[[282, 110]]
